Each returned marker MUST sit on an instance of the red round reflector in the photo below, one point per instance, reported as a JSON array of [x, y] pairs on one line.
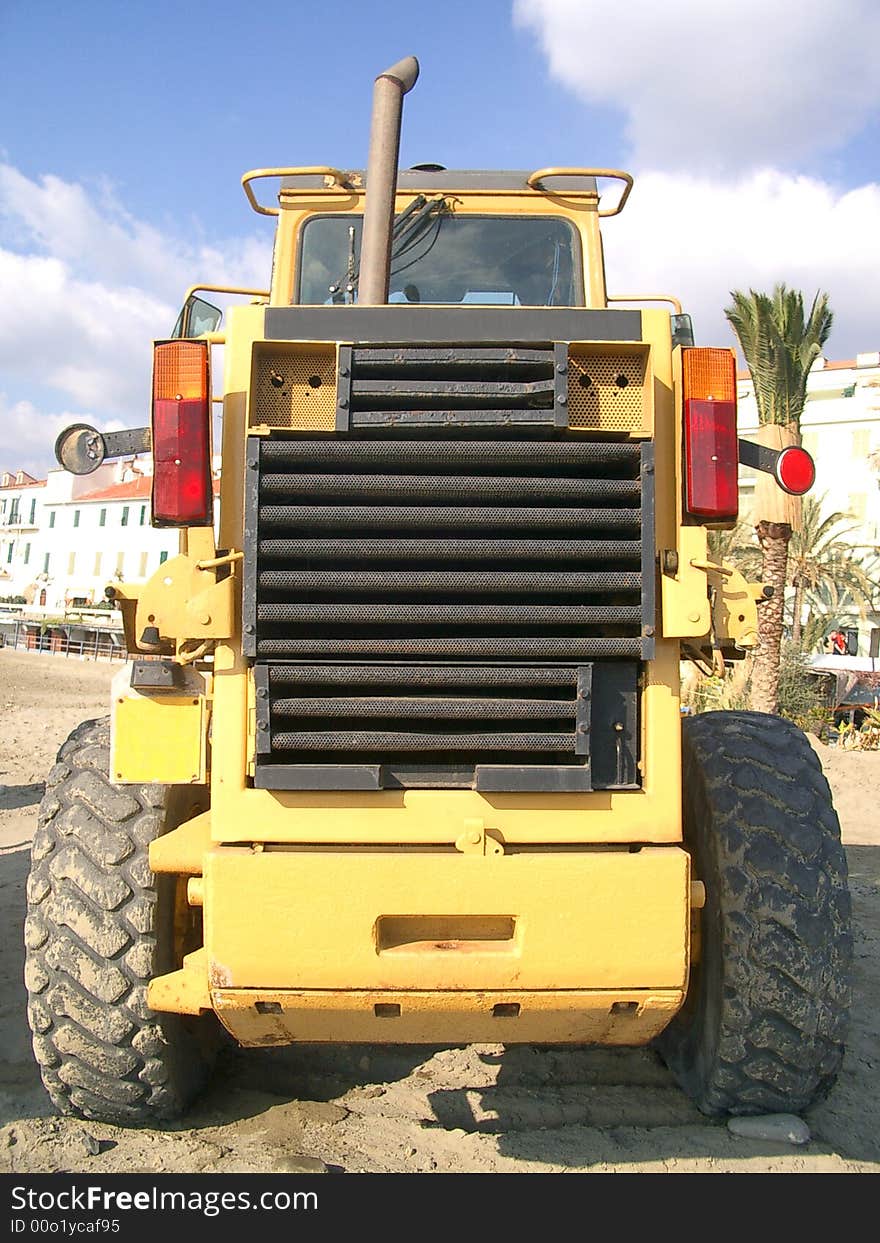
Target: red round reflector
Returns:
[[795, 470]]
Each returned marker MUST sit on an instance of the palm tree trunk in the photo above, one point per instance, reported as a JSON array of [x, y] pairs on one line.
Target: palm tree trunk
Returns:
[[773, 538]]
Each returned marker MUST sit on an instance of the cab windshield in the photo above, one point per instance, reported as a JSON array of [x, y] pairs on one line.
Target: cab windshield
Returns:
[[444, 258]]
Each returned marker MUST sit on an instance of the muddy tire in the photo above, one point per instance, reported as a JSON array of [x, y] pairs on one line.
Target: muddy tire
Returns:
[[763, 1026], [99, 926]]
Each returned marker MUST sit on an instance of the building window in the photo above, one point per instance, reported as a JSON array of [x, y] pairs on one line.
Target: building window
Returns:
[[11, 546], [125, 515], [76, 517], [13, 511], [46, 563], [102, 519], [52, 518], [143, 515], [27, 553], [71, 563], [120, 562], [142, 567], [163, 557], [33, 510], [98, 557]]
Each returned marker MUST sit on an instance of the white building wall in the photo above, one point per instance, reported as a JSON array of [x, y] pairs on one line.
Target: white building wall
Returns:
[[92, 540], [21, 521]]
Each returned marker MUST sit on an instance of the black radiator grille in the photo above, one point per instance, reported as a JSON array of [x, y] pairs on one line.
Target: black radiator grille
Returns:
[[456, 386], [415, 574]]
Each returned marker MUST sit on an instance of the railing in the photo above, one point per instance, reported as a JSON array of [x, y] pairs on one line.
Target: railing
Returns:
[[63, 639]]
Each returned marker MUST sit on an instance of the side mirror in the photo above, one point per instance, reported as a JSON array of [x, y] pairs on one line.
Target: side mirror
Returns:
[[81, 449], [196, 317]]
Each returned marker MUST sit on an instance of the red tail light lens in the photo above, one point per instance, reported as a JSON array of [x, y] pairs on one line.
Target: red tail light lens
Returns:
[[795, 470], [183, 494], [710, 439]]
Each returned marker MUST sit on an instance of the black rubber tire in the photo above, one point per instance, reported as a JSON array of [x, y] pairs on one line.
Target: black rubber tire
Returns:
[[99, 926], [763, 1026]]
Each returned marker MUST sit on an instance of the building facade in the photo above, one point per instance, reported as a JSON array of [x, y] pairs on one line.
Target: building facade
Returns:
[[21, 527], [65, 538], [840, 428]]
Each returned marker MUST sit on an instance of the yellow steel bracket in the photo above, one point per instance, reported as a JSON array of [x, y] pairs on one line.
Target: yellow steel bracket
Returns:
[[474, 840], [684, 587], [734, 607], [185, 991], [185, 601]]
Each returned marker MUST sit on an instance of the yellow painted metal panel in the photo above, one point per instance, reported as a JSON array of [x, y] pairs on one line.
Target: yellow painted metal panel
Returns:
[[293, 386], [182, 850], [684, 593], [610, 388], [158, 739], [579, 919], [627, 1017]]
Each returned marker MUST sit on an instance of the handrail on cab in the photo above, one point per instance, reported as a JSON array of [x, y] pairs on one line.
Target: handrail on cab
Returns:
[[615, 174], [646, 297], [236, 289], [335, 176]]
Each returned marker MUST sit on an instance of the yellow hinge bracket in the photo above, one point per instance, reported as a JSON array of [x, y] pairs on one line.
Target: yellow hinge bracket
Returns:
[[475, 840]]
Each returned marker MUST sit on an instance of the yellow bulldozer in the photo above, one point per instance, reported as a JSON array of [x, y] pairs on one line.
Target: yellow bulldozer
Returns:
[[398, 755]]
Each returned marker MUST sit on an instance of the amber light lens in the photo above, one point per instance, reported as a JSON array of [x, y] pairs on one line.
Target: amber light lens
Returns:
[[181, 426], [710, 438], [180, 371], [709, 375]]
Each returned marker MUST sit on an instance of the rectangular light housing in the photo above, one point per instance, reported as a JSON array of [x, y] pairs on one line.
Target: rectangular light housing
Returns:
[[710, 437], [183, 493]]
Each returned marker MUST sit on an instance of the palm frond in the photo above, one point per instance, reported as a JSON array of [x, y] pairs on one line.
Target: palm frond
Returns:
[[780, 346]]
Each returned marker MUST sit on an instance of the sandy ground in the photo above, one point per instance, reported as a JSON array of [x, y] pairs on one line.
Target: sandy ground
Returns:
[[477, 1108]]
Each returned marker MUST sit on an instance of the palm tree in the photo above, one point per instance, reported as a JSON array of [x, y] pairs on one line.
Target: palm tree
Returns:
[[780, 346], [820, 554]]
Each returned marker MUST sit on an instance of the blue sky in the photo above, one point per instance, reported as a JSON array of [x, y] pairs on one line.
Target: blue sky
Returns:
[[125, 127]]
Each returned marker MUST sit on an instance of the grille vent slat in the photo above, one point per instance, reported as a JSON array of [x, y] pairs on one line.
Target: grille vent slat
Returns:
[[589, 552], [376, 740], [439, 517], [428, 708], [453, 582]]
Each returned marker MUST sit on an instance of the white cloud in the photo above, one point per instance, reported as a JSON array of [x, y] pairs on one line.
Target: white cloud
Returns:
[[87, 287], [94, 236], [29, 433], [705, 85], [698, 239]]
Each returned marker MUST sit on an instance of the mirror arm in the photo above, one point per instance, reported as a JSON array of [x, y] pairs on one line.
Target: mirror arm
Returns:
[[81, 448]]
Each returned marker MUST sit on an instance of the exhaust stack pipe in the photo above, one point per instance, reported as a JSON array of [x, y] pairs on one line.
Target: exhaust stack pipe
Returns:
[[388, 93]]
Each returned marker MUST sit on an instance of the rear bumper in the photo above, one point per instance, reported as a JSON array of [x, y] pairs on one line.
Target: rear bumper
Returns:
[[630, 1017], [439, 946]]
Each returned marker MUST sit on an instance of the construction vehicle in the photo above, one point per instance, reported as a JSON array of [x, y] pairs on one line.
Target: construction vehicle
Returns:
[[398, 756]]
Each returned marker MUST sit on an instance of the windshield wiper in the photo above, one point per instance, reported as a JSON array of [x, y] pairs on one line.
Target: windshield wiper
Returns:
[[407, 228]]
